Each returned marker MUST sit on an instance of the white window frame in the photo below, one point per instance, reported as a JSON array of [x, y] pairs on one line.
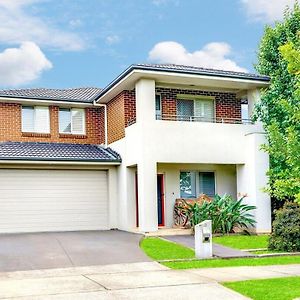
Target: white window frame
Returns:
[[35, 125], [73, 132]]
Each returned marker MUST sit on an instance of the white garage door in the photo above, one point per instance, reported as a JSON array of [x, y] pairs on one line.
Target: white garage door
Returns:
[[52, 200]]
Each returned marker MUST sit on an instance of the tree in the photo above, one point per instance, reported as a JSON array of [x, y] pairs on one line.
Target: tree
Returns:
[[279, 110]]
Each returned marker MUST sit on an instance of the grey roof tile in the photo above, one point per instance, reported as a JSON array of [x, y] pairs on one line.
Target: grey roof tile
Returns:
[[57, 152], [202, 71], [84, 94]]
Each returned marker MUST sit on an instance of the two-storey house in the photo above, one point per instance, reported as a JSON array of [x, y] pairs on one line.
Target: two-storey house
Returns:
[[120, 157]]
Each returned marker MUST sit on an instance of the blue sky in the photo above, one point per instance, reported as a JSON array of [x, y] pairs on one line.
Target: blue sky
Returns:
[[70, 43]]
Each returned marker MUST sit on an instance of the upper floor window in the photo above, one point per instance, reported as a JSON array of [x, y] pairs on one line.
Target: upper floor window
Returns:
[[189, 109], [35, 119], [72, 120], [158, 105]]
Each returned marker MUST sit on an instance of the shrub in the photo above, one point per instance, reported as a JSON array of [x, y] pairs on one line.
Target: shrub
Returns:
[[286, 228], [225, 212]]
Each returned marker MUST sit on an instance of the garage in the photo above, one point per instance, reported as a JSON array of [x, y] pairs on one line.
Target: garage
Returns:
[[53, 200]]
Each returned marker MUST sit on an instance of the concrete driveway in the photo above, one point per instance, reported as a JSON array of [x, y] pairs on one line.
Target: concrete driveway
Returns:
[[33, 251]]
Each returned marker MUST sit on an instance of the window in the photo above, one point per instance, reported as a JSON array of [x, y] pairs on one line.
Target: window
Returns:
[[187, 184], [194, 183], [35, 119], [207, 183], [195, 109], [71, 120], [185, 110], [158, 106]]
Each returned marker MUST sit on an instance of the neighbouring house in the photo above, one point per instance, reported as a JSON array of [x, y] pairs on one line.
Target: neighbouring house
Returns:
[[119, 157]]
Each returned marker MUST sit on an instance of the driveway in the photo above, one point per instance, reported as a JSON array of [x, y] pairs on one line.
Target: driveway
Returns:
[[33, 251]]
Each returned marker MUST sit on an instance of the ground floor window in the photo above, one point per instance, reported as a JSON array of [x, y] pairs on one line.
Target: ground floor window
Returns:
[[194, 183]]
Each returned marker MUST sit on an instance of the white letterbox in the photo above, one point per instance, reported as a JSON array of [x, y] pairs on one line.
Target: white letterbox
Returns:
[[203, 239]]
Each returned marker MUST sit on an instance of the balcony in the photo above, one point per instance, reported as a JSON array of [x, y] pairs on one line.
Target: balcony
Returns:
[[189, 118]]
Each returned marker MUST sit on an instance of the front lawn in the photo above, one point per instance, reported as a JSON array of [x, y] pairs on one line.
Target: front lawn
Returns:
[[286, 288], [242, 241], [159, 249], [233, 262], [182, 257]]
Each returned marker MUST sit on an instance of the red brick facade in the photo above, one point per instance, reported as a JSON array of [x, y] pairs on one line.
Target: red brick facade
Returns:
[[121, 113], [11, 124], [227, 105]]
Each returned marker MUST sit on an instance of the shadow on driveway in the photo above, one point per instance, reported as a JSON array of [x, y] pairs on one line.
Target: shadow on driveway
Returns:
[[31, 251]]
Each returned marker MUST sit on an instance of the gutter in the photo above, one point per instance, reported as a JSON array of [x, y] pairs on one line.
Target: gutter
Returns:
[[57, 161], [46, 101]]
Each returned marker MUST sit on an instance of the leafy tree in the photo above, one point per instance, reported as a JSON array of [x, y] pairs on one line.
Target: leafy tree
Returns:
[[279, 110]]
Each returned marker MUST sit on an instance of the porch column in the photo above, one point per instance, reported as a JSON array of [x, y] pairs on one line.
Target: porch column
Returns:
[[147, 196], [252, 178], [147, 166]]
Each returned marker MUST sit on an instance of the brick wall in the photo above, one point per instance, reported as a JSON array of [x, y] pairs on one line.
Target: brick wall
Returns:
[[130, 107], [121, 112], [10, 127], [227, 105]]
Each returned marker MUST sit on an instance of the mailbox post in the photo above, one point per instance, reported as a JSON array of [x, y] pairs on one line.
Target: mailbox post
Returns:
[[203, 239]]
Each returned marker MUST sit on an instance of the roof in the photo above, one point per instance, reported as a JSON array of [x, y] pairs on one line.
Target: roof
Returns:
[[173, 68], [200, 71], [56, 152], [84, 94]]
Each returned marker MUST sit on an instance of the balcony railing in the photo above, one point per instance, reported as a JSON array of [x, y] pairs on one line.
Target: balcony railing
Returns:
[[167, 117]]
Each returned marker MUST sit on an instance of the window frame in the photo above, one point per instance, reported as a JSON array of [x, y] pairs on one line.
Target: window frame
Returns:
[[197, 184], [158, 113], [195, 98], [72, 132], [215, 182], [35, 108]]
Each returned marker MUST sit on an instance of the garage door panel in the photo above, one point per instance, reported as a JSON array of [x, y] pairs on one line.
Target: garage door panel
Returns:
[[53, 200]]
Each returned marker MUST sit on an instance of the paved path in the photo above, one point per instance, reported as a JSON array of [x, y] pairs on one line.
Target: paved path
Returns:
[[148, 280], [68, 249], [218, 250]]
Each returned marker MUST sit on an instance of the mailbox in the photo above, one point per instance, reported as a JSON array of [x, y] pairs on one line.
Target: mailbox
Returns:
[[203, 240]]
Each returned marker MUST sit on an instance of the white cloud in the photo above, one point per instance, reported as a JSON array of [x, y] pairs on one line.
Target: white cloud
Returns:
[[266, 10], [112, 39], [22, 65], [17, 25], [212, 55]]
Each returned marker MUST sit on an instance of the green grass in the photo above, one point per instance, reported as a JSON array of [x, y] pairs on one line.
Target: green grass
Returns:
[[287, 288], [233, 262], [243, 241], [160, 249]]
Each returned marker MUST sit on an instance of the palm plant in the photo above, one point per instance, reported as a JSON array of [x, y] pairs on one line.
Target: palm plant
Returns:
[[225, 213]]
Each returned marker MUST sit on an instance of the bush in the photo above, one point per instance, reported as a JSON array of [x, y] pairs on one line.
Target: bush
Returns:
[[225, 212], [286, 228]]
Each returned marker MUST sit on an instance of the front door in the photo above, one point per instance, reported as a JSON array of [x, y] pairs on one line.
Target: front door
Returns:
[[160, 199]]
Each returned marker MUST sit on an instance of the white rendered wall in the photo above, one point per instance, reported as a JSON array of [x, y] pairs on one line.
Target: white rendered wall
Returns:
[[150, 141], [251, 180]]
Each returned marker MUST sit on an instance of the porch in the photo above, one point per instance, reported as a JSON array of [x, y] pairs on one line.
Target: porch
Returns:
[[175, 181]]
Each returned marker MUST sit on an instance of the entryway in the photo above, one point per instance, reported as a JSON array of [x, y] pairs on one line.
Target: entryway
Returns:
[[160, 200]]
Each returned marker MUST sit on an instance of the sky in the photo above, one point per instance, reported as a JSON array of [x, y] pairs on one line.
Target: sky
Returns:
[[80, 43]]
